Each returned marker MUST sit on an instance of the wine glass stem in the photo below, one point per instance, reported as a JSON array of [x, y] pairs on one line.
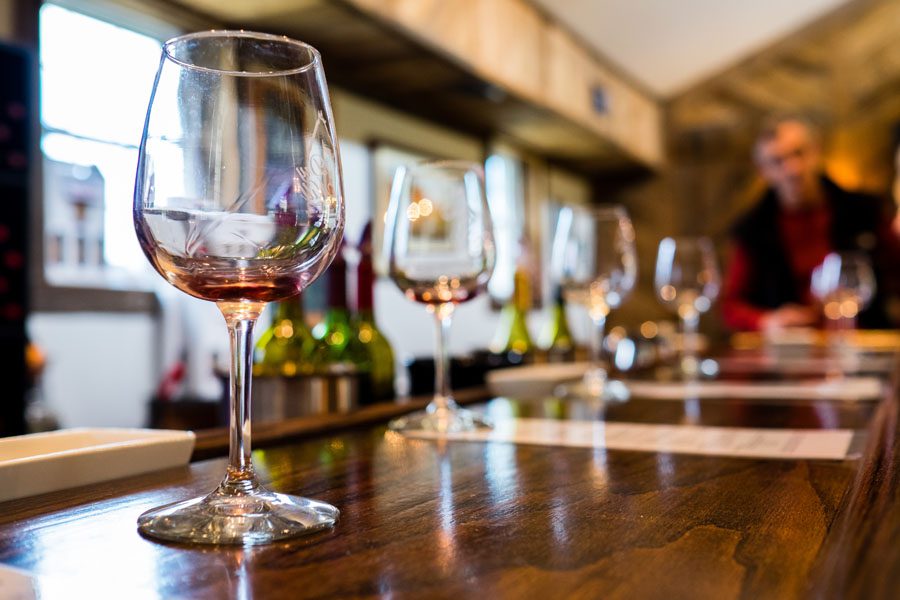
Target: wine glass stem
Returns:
[[690, 322], [596, 346], [443, 319], [240, 323]]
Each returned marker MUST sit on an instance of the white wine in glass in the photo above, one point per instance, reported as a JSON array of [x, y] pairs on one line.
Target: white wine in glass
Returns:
[[238, 201], [440, 246]]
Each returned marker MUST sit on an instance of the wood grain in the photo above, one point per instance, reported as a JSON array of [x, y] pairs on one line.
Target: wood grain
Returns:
[[423, 519]]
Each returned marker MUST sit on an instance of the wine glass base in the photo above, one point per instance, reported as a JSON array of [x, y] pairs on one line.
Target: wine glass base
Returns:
[[446, 421], [260, 517]]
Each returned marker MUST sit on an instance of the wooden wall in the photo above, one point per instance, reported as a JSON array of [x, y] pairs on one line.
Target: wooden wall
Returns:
[[843, 71], [512, 44]]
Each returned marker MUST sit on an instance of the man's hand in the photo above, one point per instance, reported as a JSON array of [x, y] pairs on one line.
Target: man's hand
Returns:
[[789, 315]]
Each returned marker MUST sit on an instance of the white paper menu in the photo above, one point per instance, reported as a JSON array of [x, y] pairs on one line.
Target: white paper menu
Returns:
[[833, 444], [848, 389]]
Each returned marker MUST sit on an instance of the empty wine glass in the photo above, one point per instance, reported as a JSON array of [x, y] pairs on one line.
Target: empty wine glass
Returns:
[[845, 285], [595, 262], [238, 201], [687, 282], [440, 246]]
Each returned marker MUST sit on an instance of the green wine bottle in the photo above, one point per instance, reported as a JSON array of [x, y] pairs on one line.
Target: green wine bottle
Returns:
[[512, 335], [377, 355], [287, 348], [343, 352], [556, 339]]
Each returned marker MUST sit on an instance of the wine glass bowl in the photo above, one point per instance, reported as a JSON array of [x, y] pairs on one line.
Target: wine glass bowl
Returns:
[[440, 250], [687, 282], [844, 284], [238, 201], [595, 262]]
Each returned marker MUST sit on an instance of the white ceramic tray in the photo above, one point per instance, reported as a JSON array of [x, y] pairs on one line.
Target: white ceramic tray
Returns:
[[45, 462]]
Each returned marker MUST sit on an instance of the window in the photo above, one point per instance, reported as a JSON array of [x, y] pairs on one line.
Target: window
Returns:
[[96, 79], [504, 183]]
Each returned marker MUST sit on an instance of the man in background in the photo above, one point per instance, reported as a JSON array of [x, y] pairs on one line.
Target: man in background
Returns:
[[801, 217]]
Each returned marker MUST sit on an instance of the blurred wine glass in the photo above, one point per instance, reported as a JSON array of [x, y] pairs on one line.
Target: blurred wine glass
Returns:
[[687, 282], [845, 284], [440, 246], [238, 201], [595, 262]]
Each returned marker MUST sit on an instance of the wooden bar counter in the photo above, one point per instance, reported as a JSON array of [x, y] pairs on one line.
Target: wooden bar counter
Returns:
[[422, 519]]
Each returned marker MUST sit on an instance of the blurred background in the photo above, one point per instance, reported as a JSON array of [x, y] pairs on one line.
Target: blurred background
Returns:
[[652, 104]]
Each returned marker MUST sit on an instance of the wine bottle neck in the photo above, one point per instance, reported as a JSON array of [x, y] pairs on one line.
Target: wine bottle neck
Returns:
[[366, 316], [559, 301], [365, 284], [336, 315], [337, 284], [521, 290], [291, 310]]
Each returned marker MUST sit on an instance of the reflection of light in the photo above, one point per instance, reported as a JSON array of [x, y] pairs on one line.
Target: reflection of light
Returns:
[[558, 523], [446, 541], [702, 304], [412, 211], [686, 310], [500, 409], [667, 292], [692, 411], [625, 351], [425, 207], [709, 367], [849, 309], [649, 329], [617, 333], [500, 472], [833, 310], [285, 329], [599, 472], [665, 469]]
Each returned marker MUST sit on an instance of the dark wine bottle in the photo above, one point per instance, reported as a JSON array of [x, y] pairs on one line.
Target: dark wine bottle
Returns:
[[377, 355]]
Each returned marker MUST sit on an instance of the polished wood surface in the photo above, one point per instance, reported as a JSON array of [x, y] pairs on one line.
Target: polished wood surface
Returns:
[[214, 442], [425, 519]]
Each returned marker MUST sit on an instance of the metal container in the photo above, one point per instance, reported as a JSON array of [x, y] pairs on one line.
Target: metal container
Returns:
[[279, 398]]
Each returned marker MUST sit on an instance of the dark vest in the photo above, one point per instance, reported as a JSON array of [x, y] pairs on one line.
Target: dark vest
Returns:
[[855, 219]]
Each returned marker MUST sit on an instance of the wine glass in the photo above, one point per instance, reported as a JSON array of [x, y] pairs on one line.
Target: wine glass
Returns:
[[688, 282], [845, 284], [440, 246], [238, 201], [595, 262]]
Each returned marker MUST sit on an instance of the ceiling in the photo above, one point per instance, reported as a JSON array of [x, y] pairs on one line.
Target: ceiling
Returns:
[[669, 45]]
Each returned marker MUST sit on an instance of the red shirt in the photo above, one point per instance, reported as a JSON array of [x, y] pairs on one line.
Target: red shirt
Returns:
[[805, 235]]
